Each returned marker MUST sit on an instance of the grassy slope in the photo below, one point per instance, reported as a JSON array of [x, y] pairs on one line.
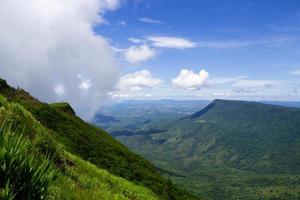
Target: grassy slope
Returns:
[[77, 180], [94, 145], [86, 181], [231, 150], [65, 107]]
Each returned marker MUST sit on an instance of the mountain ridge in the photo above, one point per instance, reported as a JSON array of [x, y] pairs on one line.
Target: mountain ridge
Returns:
[[228, 140], [93, 144]]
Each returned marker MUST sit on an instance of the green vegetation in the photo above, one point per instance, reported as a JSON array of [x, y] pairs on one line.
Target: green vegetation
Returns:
[[229, 150], [86, 181], [32, 166], [22, 176], [78, 150], [64, 106]]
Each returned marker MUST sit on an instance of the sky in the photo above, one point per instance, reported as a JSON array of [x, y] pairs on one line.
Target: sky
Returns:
[[248, 49], [95, 52]]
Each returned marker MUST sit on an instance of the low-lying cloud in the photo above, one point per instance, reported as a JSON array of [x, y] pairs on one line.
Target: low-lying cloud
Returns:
[[49, 48]]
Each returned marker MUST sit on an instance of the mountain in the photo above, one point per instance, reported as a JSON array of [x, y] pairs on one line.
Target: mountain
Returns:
[[35, 166], [90, 164], [295, 104], [99, 118], [138, 116], [229, 150], [65, 107]]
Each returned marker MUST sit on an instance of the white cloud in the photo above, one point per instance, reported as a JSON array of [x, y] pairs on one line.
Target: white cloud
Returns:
[[111, 4], [150, 21], [85, 83], [59, 89], [187, 79], [44, 45], [171, 42], [136, 54], [136, 40], [135, 81]]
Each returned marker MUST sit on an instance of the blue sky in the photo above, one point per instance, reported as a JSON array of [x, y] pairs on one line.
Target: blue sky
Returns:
[[256, 40], [102, 51]]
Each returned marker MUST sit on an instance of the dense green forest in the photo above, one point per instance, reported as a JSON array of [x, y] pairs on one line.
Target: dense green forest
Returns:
[[49, 152], [228, 150]]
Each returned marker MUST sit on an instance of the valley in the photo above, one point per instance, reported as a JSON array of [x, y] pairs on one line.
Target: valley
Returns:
[[227, 150]]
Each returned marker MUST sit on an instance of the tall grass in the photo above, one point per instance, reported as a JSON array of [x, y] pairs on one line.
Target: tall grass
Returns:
[[23, 176]]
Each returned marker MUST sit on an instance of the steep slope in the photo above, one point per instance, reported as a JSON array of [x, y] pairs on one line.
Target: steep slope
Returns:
[[94, 144], [230, 149], [34, 166], [256, 136], [64, 106]]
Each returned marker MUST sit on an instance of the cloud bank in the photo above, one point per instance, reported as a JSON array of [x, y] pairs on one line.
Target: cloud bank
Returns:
[[49, 48]]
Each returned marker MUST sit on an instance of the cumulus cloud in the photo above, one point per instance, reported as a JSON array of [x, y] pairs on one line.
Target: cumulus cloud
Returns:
[[150, 21], [136, 54], [135, 81], [45, 46], [171, 42], [187, 79]]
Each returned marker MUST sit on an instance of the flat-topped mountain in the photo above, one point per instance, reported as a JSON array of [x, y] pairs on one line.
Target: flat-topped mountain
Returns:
[[228, 145]]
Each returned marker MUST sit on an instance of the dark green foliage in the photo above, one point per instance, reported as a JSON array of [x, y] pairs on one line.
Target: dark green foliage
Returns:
[[64, 106], [230, 149], [93, 144], [22, 175]]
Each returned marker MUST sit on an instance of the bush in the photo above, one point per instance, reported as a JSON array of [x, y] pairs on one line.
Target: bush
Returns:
[[23, 175]]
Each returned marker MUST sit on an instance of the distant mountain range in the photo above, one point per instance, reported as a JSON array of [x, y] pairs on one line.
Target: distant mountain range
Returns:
[[99, 118], [295, 104], [229, 150]]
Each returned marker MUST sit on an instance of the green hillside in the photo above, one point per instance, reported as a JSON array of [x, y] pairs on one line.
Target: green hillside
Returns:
[[230, 150], [72, 142], [34, 166]]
